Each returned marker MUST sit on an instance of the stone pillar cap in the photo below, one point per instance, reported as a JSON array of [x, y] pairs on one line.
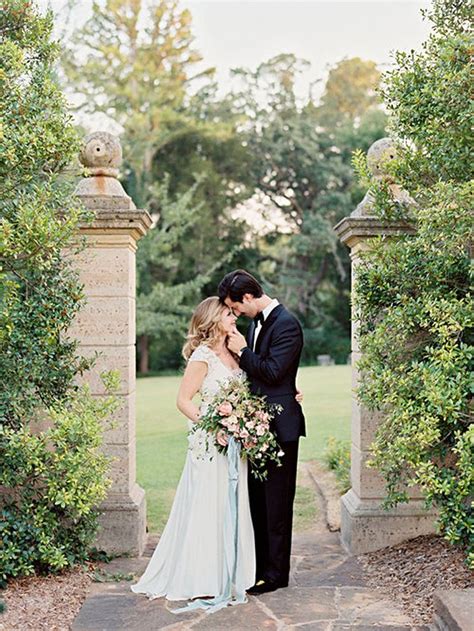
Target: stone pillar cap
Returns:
[[379, 156], [101, 154]]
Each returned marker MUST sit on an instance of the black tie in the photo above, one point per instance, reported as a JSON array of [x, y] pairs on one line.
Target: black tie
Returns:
[[259, 318]]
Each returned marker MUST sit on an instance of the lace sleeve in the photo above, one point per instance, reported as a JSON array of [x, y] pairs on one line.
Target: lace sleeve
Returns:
[[201, 354]]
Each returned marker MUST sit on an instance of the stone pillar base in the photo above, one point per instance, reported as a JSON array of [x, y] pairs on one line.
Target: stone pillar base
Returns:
[[366, 526], [122, 527]]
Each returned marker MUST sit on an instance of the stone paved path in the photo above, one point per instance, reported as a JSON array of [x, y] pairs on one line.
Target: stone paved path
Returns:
[[327, 592]]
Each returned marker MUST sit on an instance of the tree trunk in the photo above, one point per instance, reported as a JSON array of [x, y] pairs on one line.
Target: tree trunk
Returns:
[[143, 344]]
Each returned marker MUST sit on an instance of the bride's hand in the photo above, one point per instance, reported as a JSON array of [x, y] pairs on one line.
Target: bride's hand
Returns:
[[299, 396], [222, 438]]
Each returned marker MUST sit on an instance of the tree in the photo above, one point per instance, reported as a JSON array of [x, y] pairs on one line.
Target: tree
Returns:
[[416, 289], [137, 75], [40, 292], [426, 96], [177, 136], [52, 474], [163, 305], [350, 91], [303, 168]]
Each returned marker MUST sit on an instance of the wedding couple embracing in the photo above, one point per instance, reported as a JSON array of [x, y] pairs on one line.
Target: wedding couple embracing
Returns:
[[229, 532]]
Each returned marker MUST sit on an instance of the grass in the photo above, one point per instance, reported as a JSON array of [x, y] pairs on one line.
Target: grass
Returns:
[[161, 430], [304, 508]]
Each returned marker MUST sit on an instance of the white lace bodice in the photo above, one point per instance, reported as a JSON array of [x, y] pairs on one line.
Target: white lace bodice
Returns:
[[199, 445], [217, 372]]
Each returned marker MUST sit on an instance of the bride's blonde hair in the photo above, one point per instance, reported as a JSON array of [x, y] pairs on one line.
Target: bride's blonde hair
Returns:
[[205, 326]]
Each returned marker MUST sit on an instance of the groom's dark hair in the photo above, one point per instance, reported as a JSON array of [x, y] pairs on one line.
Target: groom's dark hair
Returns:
[[236, 284]]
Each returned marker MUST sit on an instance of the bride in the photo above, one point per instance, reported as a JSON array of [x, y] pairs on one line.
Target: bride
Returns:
[[203, 553]]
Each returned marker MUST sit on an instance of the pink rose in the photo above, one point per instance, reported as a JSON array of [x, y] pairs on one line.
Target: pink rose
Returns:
[[250, 424], [244, 433], [262, 416], [260, 430], [248, 444], [225, 409]]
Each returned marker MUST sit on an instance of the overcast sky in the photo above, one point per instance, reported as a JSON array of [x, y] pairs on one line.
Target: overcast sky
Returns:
[[233, 33]]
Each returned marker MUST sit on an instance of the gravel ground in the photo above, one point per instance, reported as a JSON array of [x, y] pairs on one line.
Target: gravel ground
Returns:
[[49, 603], [410, 572]]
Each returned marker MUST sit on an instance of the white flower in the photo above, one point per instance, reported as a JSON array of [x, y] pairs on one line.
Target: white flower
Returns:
[[200, 445], [280, 453]]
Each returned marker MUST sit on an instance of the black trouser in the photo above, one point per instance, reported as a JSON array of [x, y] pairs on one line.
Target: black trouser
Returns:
[[271, 505]]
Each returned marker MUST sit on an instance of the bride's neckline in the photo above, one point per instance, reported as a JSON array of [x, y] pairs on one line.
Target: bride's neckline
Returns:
[[224, 364]]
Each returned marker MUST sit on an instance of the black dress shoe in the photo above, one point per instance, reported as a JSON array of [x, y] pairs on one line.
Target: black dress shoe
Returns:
[[262, 587]]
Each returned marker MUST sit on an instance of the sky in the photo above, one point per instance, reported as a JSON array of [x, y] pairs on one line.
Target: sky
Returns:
[[233, 33], [230, 34]]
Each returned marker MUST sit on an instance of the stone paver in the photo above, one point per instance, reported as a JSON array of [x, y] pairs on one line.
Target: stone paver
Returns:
[[299, 605], [328, 591], [454, 609], [345, 573], [248, 616], [363, 606]]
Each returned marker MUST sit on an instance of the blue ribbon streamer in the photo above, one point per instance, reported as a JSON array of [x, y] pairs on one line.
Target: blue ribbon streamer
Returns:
[[229, 596]]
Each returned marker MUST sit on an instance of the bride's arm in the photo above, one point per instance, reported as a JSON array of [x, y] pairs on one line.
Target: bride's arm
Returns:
[[189, 387]]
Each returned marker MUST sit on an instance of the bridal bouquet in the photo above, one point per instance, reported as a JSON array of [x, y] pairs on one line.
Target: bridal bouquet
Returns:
[[236, 412]]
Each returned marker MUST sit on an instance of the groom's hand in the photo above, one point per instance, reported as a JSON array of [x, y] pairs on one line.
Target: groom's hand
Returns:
[[236, 342]]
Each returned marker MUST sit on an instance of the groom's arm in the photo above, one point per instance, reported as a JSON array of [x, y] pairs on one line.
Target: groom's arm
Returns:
[[286, 345]]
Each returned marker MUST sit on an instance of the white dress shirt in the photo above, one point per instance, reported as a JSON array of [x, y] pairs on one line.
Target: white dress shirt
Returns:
[[266, 312]]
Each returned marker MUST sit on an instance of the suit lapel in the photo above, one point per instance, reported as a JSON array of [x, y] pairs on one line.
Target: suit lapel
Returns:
[[250, 335], [266, 324]]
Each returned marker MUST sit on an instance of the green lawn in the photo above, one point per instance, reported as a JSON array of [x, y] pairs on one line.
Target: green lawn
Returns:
[[161, 429]]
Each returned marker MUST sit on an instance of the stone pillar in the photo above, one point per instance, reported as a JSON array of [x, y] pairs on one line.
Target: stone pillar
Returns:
[[365, 525], [106, 325]]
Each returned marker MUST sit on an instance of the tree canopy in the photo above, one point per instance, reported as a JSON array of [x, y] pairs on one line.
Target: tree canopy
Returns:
[[189, 147]]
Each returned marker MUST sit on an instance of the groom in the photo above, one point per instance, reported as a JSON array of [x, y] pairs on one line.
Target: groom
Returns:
[[270, 356]]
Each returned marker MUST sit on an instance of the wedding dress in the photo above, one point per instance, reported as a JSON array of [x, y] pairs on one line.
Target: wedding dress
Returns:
[[207, 546]]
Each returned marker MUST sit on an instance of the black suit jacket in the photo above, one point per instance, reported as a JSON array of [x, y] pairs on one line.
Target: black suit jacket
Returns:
[[272, 369]]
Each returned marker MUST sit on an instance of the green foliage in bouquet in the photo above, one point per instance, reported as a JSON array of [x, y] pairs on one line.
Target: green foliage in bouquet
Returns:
[[236, 412], [413, 292]]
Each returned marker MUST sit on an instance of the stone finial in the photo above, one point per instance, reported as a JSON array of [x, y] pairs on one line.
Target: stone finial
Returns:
[[101, 154], [379, 156]]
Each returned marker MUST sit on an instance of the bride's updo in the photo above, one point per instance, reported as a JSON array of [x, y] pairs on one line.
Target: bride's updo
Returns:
[[205, 326]]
